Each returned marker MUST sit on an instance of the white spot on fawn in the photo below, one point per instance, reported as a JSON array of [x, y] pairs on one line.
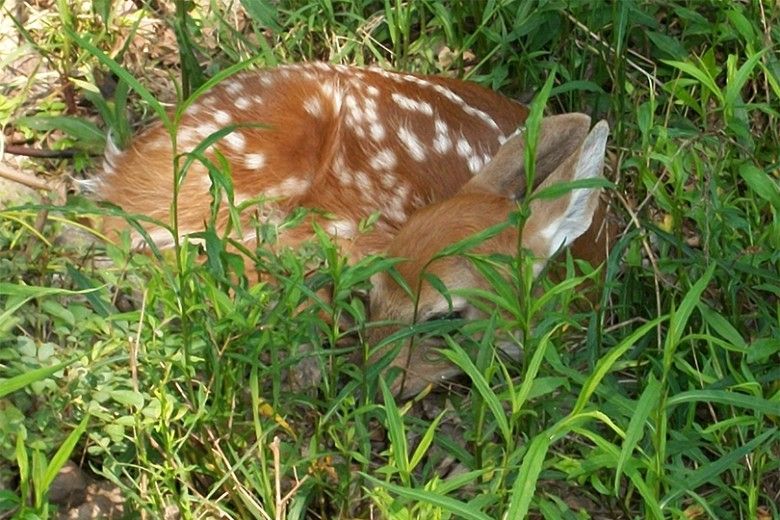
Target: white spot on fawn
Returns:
[[194, 109], [414, 105], [207, 129], [412, 143], [236, 141], [377, 131], [475, 163], [242, 103], [186, 136], [222, 117], [254, 161], [290, 187], [332, 92], [313, 106], [234, 87], [394, 207], [385, 159], [441, 140], [363, 182], [464, 148], [388, 180]]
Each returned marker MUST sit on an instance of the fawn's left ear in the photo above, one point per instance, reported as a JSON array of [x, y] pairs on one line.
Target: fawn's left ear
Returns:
[[555, 223]]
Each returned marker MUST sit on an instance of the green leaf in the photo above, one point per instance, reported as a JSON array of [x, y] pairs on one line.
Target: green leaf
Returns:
[[264, 12], [607, 361], [646, 403], [726, 397], [524, 488], [125, 76], [529, 379], [395, 431], [455, 507], [425, 441], [680, 317], [737, 82], [761, 184], [458, 356], [560, 189], [708, 472], [702, 75], [128, 398], [15, 383], [725, 329], [63, 453], [85, 132], [667, 44]]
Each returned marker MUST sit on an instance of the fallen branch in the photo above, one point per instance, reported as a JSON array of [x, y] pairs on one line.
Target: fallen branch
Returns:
[[22, 178], [40, 153]]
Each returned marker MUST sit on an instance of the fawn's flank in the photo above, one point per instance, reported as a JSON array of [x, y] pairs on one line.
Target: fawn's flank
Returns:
[[439, 159]]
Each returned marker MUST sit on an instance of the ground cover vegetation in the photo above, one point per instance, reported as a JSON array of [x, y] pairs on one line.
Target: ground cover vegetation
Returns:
[[167, 375]]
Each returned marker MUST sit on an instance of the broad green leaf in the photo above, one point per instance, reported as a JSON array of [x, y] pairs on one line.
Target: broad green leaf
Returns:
[[128, 398], [63, 453], [646, 403], [608, 360], [761, 184], [85, 132], [708, 472], [679, 318], [458, 356], [395, 431], [425, 441], [15, 383], [124, 75], [700, 74], [725, 329], [451, 505], [748, 402]]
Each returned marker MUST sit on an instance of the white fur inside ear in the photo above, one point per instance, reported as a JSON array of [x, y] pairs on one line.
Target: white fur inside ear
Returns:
[[582, 202]]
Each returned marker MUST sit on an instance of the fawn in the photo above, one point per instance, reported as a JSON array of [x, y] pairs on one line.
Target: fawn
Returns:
[[438, 158]]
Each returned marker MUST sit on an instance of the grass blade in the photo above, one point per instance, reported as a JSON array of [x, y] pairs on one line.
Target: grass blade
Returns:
[[63, 452], [451, 505], [644, 407], [17, 382], [458, 356], [605, 363]]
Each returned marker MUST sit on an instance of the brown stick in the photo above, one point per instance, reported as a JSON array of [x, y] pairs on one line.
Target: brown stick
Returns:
[[22, 178], [38, 152]]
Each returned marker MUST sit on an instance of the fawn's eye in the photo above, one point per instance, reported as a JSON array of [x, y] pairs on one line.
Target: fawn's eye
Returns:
[[454, 314]]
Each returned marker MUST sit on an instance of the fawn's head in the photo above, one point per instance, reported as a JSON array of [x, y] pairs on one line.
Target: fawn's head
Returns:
[[565, 152]]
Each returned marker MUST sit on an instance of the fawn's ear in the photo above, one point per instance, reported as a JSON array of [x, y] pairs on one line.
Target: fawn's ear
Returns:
[[554, 223], [559, 138]]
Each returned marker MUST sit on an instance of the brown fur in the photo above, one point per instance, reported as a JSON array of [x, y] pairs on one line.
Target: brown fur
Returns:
[[325, 138]]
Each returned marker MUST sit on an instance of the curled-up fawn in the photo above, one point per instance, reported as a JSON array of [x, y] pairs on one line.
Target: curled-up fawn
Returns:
[[437, 158]]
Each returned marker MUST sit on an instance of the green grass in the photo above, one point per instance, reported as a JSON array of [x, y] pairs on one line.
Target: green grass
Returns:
[[167, 376]]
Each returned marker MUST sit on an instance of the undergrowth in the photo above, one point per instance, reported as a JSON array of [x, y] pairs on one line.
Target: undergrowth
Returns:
[[171, 376]]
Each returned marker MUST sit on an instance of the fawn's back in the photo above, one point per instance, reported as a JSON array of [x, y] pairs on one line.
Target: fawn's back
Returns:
[[345, 140]]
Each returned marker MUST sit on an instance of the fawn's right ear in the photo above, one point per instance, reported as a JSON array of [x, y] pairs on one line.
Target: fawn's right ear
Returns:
[[557, 222], [559, 138]]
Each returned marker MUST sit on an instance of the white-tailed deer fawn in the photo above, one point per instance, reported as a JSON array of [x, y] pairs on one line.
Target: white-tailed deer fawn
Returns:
[[425, 152]]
